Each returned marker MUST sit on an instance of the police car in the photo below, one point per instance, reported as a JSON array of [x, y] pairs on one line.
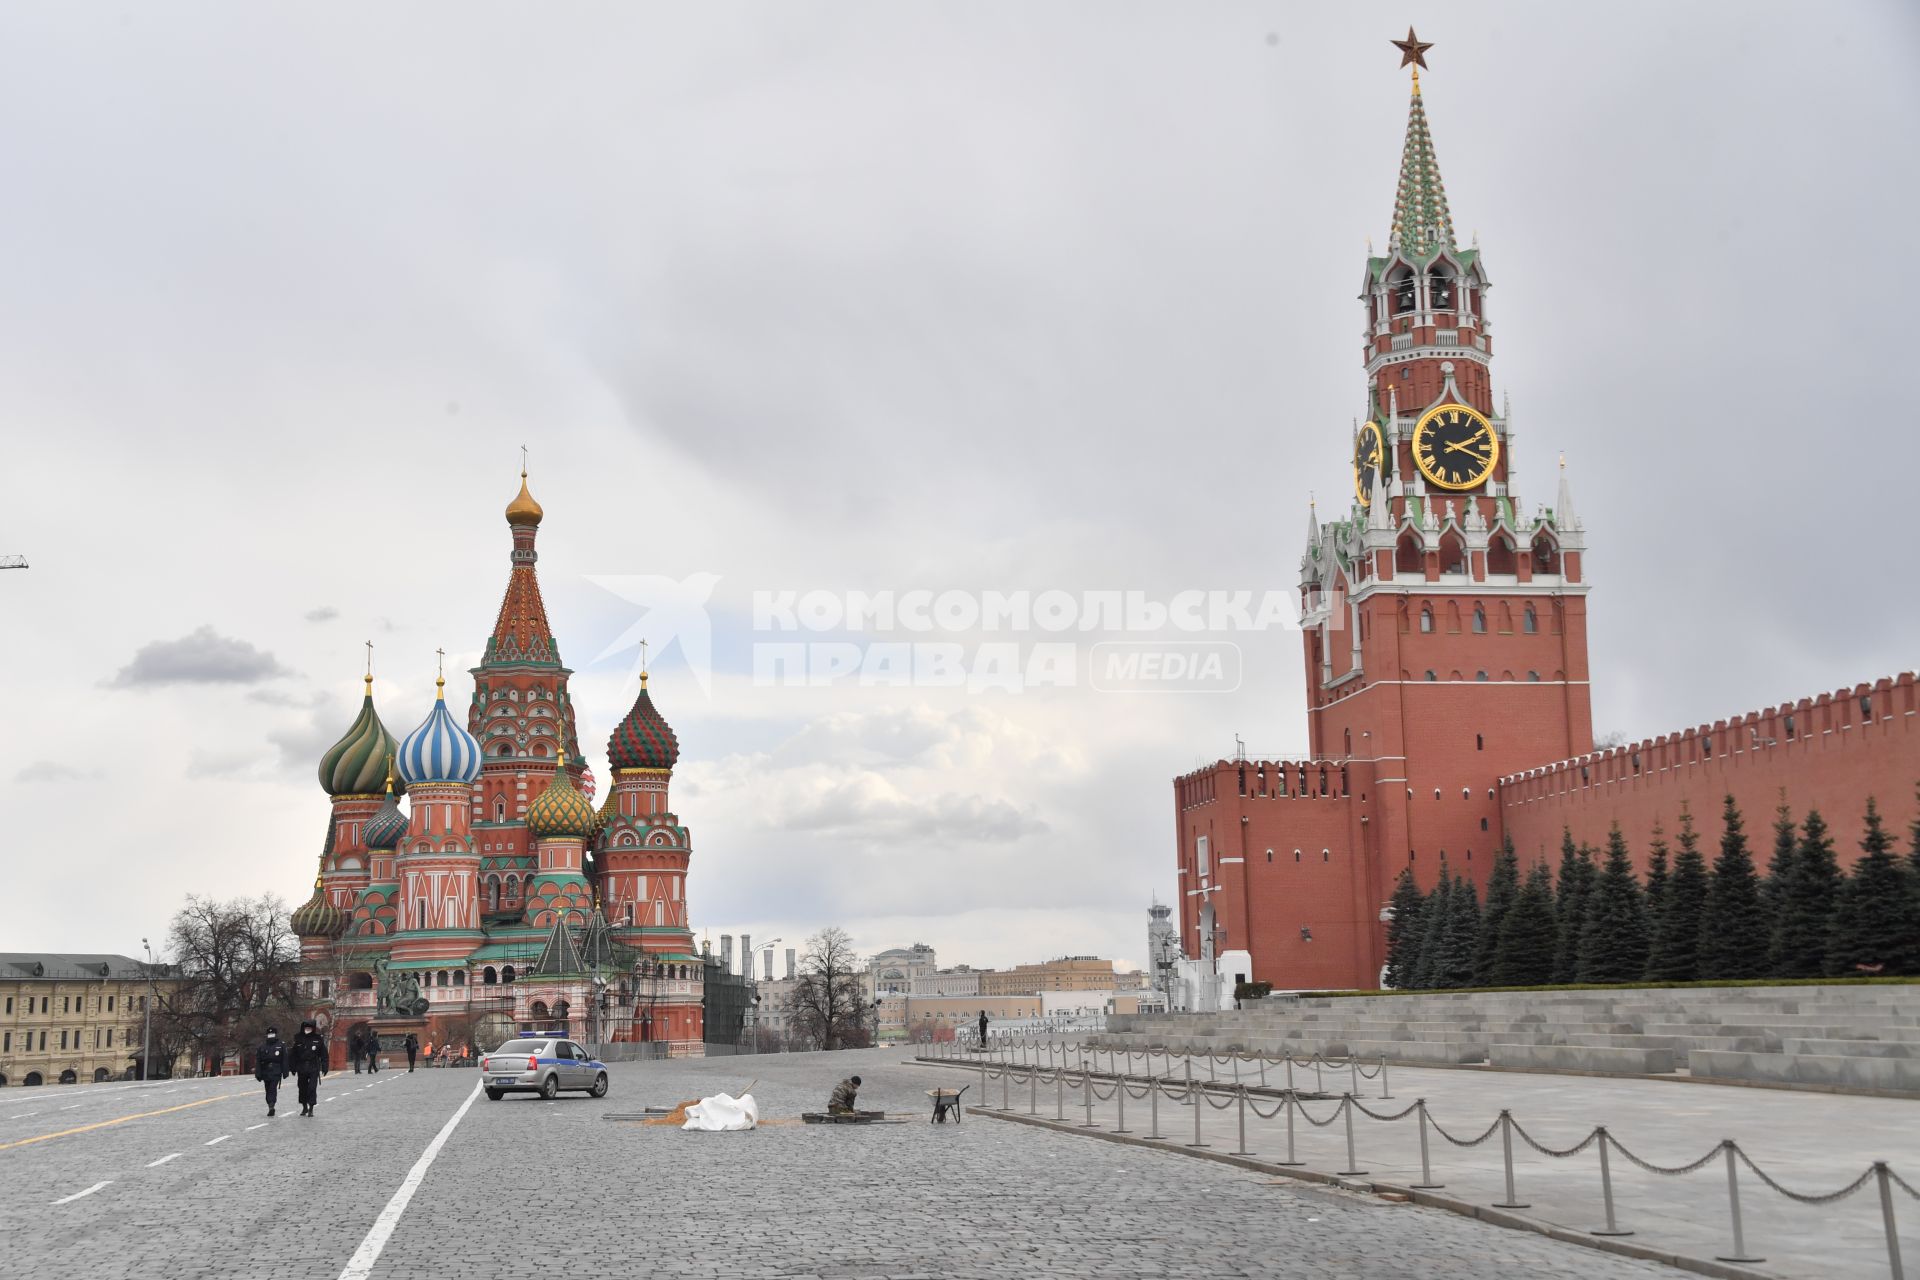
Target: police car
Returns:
[[543, 1063]]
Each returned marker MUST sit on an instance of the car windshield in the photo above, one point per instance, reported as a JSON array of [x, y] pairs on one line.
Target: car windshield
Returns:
[[535, 1047]]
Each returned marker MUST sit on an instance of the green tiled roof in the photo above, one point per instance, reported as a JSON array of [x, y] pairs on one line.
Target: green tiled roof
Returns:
[[1422, 224]]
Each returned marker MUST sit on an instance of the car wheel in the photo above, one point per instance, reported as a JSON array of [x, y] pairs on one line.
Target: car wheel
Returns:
[[550, 1087], [600, 1085], [494, 1095]]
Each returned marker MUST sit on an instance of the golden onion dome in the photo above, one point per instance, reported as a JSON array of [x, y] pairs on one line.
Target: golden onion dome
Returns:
[[561, 810], [523, 509]]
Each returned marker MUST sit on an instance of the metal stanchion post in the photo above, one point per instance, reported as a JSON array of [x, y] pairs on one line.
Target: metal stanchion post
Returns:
[[1198, 1105], [1086, 1096], [1263, 1071], [1033, 1090], [1886, 1216], [1385, 1095], [1186, 1099], [1236, 1071], [1612, 1227], [1426, 1182], [1319, 1081], [1353, 1164], [1739, 1253], [983, 1084], [1153, 1107], [1289, 1073], [1213, 1072], [1242, 1149], [1353, 1065], [1120, 1101], [1506, 1142], [1287, 1102], [1060, 1094], [1006, 1083]]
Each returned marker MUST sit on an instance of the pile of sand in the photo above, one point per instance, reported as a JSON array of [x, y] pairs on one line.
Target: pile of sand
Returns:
[[677, 1116]]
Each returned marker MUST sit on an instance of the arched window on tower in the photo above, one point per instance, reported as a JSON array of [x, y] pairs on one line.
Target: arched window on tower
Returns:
[[1479, 620], [489, 976], [1400, 285], [1530, 621], [1546, 555], [500, 809], [1453, 552], [1426, 618], [1441, 283], [1500, 554]]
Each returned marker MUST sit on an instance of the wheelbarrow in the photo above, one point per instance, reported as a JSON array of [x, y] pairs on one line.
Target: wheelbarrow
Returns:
[[945, 1100]]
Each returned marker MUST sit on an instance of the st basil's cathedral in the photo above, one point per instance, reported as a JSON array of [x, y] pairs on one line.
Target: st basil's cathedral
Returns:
[[500, 899]]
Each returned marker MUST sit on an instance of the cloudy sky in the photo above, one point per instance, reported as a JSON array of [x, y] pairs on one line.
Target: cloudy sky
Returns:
[[844, 297]]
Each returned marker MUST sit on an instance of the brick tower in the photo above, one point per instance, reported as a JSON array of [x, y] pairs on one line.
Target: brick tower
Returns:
[[1446, 641]]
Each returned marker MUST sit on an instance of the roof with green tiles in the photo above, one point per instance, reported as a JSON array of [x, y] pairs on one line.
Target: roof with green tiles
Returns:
[[1422, 223]]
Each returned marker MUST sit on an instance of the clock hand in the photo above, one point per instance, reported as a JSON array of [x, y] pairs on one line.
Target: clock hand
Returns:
[[1465, 447]]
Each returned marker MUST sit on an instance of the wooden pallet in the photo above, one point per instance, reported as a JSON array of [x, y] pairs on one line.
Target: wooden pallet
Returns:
[[857, 1117]]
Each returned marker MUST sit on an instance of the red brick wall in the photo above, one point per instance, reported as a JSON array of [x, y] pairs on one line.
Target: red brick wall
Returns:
[[1832, 758]]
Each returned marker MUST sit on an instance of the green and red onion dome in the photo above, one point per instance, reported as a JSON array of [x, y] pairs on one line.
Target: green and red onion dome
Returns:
[[643, 740]]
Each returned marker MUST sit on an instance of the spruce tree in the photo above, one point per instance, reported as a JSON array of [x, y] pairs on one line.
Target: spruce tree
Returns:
[[1453, 967], [1527, 934], [1503, 886], [1613, 938], [1656, 877], [1786, 847], [1674, 955], [1733, 929], [1570, 907], [1913, 836], [1433, 934], [1876, 929], [1803, 914], [1405, 931]]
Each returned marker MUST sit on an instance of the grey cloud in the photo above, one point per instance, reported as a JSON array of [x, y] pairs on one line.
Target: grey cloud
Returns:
[[202, 657], [855, 809], [325, 613], [54, 771]]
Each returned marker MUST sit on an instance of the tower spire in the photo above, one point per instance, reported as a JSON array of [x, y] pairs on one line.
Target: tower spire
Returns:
[[1422, 224], [521, 633]]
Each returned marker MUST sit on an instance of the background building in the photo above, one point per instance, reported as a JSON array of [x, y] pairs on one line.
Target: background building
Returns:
[[1068, 973], [66, 1019], [1445, 638], [893, 972]]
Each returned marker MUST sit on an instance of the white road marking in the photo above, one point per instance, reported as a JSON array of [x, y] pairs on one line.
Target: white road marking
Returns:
[[24, 1115], [360, 1266], [214, 1142], [75, 1107], [163, 1159], [252, 1127], [89, 1191]]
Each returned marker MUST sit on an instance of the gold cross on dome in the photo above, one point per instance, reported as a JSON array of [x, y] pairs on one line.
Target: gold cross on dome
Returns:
[[440, 663]]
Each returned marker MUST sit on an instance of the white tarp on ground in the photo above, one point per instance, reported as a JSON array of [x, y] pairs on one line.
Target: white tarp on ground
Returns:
[[723, 1112]]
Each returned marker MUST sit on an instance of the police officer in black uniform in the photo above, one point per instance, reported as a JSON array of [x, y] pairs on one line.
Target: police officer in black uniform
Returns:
[[270, 1065], [307, 1057]]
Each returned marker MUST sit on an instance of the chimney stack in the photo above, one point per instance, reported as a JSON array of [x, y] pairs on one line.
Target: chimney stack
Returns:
[[746, 956], [791, 973], [726, 952]]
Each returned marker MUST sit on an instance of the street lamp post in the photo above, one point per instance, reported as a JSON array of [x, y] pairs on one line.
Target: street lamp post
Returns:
[[146, 1017]]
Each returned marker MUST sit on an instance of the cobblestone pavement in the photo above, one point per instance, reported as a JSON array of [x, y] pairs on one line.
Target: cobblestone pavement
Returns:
[[200, 1184], [1810, 1142]]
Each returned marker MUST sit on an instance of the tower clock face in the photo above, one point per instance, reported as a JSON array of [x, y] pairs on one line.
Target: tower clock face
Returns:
[[1454, 447], [1367, 452]]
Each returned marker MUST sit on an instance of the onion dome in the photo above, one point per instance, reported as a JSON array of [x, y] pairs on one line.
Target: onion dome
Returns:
[[319, 918], [561, 810], [355, 764], [523, 509], [385, 829], [643, 740], [440, 750]]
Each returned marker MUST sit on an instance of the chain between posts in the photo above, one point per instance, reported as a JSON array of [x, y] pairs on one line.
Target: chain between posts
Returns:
[[1189, 1091]]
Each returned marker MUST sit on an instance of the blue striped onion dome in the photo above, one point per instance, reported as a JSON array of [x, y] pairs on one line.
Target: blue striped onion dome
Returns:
[[356, 764], [560, 810], [440, 750], [388, 827]]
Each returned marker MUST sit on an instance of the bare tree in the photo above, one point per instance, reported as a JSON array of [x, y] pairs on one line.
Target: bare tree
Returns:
[[827, 1006], [238, 973]]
